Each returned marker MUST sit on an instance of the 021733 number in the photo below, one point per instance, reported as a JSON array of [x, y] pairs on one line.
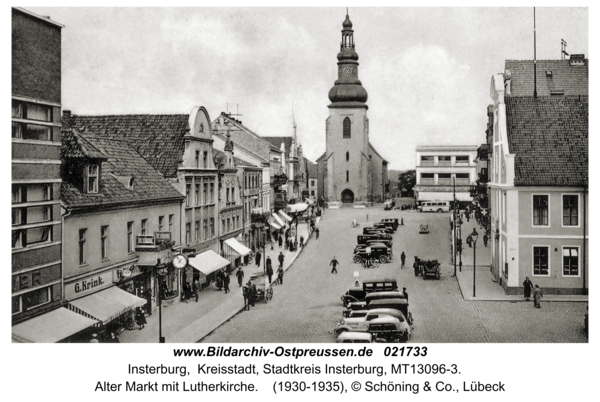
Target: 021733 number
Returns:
[[395, 351]]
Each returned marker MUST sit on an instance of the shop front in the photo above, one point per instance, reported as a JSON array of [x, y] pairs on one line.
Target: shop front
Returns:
[[205, 266], [235, 252], [55, 326]]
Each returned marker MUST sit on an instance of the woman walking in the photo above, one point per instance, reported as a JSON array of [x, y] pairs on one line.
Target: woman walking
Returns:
[[527, 286], [537, 296]]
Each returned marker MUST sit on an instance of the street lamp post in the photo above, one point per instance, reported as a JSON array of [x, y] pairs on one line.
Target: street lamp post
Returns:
[[474, 239], [161, 270], [459, 223], [454, 230]]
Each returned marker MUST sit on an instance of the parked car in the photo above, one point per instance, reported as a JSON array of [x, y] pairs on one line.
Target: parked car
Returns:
[[357, 294], [397, 304], [359, 320], [391, 221], [371, 243], [424, 228], [364, 239], [379, 252], [389, 329], [371, 230], [354, 337], [384, 225]]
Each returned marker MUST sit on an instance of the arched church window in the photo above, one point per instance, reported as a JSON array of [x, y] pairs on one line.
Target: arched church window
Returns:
[[347, 156], [347, 125], [347, 176]]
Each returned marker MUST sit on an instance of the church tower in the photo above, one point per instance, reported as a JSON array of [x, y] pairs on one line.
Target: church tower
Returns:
[[347, 157]]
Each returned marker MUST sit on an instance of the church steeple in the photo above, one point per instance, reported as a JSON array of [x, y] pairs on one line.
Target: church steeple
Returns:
[[348, 90]]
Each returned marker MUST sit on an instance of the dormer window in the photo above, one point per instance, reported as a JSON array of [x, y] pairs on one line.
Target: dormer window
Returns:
[[92, 179]]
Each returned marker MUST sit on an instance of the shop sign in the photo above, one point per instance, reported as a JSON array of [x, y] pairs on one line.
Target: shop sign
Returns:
[[88, 285]]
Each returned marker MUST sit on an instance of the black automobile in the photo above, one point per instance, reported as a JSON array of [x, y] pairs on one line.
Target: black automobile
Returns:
[[366, 239], [372, 230], [385, 225], [392, 222], [379, 252], [369, 286]]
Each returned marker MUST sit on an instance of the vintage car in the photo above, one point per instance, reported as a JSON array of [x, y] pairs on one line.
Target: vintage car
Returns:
[[370, 297], [371, 243], [389, 205], [372, 285], [379, 238], [379, 252], [383, 230], [423, 228], [397, 304], [359, 320], [388, 329], [393, 222], [430, 268], [354, 337], [384, 225]]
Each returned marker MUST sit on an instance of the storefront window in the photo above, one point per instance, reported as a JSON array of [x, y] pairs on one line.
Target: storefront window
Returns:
[[169, 284]]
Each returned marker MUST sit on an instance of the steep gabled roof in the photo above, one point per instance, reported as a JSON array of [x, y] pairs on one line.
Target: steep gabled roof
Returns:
[[549, 136], [122, 161], [372, 148], [239, 125], [312, 170], [158, 138], [564, 79], [276, 143]]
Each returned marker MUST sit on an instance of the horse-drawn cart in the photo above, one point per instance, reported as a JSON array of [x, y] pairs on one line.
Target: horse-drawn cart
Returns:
[[264, 292]]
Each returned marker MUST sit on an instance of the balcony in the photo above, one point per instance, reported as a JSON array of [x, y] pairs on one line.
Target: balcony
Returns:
[[155, 242]]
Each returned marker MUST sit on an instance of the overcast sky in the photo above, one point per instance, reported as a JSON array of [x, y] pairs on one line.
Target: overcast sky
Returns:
[[427, 70]]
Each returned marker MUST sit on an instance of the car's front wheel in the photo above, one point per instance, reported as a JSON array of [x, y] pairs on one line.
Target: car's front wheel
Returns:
[[383, 259], [357, 259]]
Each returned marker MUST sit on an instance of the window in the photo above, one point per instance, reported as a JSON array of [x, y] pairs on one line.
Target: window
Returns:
[[347, 156], [204, 229], [18, 216], [462, 176], [31, 111], [38, 235], [427, 175], [17, 194], [570, 261], [161, 221], [222, 225], [444, 158], [246, 182], [82, 246], [228, 225], [540, 261], [212, 227], [92, 178], [188, 228], [540, 210], [233, 194], [227, 194], [427, 159], [312, 192], [104, 242], [346, 127], [31, 132], [197, 199], [187, 195], [204, 199], [144, 226], [17, 238], [197, 159], [462, 159], [171, 223], [197, 231], [36, 298], [312, 183], [205, 160], [130, 237], [212, 193], [238, 222], [570, 210], [347, 176]]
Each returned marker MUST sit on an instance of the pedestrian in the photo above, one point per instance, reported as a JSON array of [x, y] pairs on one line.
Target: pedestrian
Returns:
[[245, 294], [280, 257], [240, 276], [401, 221], [537, 296], [286, 244], [280, 274], [317, 232], [196, 289], [280, 241], [405, 293], [485, 239], [403, 259], [219, 280], [187, 292], [257, 258], [226, 282], [295, 244], [301, 241], [334, 263], [527, 286], [140, 318], [113, 338], [269, 271], [416, 267], [252, 294]]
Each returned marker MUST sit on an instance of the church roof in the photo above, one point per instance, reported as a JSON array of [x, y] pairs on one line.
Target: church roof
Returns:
[[554, 77], [372, 148], [549, 136], [276, 142]]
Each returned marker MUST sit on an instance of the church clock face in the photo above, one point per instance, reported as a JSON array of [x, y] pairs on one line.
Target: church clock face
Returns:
[[347, 71]]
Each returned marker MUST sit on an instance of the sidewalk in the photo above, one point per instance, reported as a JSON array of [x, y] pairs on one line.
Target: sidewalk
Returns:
[[488, 290], [190, 322]]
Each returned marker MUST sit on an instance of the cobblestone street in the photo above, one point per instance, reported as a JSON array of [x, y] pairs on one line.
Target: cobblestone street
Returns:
[[307, 307]]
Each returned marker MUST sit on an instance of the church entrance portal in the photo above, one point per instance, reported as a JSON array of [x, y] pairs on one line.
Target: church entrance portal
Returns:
[[347, 196]]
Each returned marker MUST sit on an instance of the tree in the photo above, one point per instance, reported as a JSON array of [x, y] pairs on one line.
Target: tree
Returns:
[[406, 181]]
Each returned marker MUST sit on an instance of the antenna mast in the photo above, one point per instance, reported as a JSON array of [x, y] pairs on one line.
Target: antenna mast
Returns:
[[534, 59], [563, 49]]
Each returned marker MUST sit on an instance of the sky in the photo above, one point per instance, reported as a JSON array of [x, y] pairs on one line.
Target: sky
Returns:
[[427, 70]]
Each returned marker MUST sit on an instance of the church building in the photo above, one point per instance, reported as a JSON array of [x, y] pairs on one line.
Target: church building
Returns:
[[351, 170]]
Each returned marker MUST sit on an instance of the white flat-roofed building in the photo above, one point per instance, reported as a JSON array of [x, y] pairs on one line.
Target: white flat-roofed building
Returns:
[[438, 166]]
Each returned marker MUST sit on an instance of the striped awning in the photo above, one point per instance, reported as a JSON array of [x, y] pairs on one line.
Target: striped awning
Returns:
[[279, 220], [285, 216], [107, 304], [274, 225], [51, 327]]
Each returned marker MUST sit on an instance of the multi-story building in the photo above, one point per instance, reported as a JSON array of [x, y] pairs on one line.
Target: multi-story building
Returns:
[[120, 218], [36, 277], [440, 168], [312, 181], [539, 175]]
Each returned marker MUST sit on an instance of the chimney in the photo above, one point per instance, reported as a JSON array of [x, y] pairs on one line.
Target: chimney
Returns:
[[66, 114], [577, 59]]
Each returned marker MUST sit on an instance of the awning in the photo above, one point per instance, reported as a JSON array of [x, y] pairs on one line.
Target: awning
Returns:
[[297, 207], [285, 216], [208, 262], [51, 327], [279, 221], [238, 247], [274, 225], [107, 304]]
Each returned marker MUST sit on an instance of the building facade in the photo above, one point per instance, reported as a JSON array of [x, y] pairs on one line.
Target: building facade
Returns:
[[36, 275], [440, 167], [538, 176], [352, 170]]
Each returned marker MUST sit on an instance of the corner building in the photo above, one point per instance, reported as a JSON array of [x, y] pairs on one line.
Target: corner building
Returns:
[[352, 170]]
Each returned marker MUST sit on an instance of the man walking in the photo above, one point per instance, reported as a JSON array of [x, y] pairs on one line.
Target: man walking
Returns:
[[226, 280], [301, 241], [280, 274], [403, 259], [280, 240], [280, 258], [485, 239], [240, 276], [269, 270], [334, 263], [196, 289], [257, 258]]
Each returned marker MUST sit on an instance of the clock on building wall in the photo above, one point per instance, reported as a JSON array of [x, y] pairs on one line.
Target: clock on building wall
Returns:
[[180, 261], [347, 71]]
